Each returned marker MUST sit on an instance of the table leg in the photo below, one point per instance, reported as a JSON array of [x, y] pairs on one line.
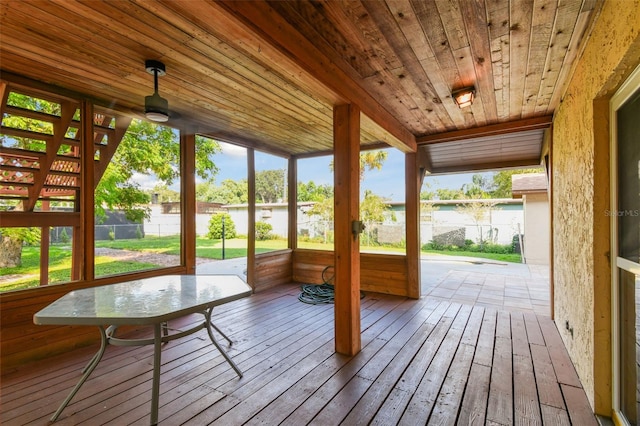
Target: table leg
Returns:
[[87, 372], [221, 333], [209, 324], [155, 390]]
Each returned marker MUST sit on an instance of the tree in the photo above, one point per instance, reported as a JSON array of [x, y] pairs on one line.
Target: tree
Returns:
[[427, 193], [147, 148], [165, 195], [229, 192], [502, 181], [480, 187], [371, 206], [479, 212], [323, 209], [312, 192], [11, 242], [369, 160], [449, 194], [271, 186], [373, 209]]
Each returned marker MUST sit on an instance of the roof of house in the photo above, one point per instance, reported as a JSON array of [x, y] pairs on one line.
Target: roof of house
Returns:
[[528, 183]]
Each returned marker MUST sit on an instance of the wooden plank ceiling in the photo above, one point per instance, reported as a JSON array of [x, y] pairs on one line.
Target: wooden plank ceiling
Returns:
[[267, 74]]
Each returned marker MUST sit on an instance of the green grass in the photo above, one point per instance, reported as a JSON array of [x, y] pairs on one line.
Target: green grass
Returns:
[[210, 249], [60, 268], [502, 257], [60, 256]]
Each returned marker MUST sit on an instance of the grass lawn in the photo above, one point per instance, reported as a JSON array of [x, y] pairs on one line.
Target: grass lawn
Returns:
[[502, 257], [27, 275]]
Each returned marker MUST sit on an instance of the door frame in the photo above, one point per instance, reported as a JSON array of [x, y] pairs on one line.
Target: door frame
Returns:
[[626, 90]]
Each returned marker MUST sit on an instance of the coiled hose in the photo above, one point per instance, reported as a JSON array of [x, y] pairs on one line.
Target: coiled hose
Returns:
[[317, 294]]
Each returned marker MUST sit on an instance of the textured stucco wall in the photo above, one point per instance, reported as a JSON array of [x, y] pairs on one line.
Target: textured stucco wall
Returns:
[[581, 195]]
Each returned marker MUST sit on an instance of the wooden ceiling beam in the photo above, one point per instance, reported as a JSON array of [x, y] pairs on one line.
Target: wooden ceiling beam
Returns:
[[261, 19], [490, 130]]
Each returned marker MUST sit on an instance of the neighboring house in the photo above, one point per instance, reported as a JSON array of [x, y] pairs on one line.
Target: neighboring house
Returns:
[[532, 189]]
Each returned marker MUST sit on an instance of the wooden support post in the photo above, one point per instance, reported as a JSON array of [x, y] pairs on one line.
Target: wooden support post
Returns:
[[251, 212], [412, 217], [292, 199], [346, 146], [84, 235], [44, 249], [188, 208]]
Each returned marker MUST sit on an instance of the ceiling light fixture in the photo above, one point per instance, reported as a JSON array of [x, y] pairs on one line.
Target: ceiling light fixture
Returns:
[[464, 97], [156, 108]]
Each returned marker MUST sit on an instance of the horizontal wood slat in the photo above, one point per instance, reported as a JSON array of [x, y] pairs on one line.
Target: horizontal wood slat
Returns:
[[273, 269], [379, 273]]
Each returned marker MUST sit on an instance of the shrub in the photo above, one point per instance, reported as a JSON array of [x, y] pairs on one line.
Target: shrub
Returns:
[[263, 231], [215, 226], [471, 247], [64, 237], [432, 245]]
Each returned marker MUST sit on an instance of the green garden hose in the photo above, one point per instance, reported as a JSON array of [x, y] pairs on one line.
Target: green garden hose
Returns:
[[317, 294]]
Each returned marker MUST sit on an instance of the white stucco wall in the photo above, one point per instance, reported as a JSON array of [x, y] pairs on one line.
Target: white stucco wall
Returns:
[[536, 230]]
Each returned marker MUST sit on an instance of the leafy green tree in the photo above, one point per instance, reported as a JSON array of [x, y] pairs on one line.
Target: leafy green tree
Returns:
[[271, 186], [369, 160], [147, 148], [165, 195], [234, 192], [502, 181], [480, 187], [450, 194], [229, 192], [311, 192], [216, 226], [427, 193], [373, 208], [323, 209]]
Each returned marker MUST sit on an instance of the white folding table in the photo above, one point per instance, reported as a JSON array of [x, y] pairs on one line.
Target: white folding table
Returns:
[[149, 301]]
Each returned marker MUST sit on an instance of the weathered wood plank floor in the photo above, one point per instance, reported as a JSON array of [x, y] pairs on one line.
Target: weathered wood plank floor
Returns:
[[423, 361]]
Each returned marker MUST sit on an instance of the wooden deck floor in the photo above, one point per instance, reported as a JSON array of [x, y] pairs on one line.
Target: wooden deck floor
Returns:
[[426, 361]]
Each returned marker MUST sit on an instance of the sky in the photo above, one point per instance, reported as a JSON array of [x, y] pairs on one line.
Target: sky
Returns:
[[387, 183]]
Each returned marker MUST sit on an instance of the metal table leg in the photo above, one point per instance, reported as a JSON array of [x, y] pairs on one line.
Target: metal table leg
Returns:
[[208, 325], [87, 372], [155, 390]]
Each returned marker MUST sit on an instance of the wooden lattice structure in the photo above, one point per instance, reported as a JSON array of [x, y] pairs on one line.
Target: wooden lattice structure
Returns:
[[41, 158]]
